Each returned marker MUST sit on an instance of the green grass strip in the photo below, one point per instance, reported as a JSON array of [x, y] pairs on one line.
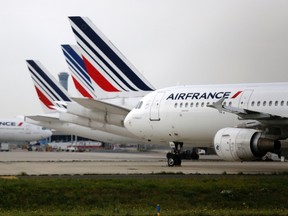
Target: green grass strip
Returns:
[[177, 195]]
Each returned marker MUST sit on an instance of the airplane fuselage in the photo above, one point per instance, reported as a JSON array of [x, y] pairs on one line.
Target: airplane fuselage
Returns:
[[181, 113], [18, 130]]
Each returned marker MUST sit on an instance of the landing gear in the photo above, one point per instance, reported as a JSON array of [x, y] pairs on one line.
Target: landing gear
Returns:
[[174, 158]]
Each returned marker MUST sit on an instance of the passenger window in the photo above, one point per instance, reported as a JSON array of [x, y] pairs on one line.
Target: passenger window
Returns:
[[276, 103], [270, 103], [264, 103], [202, 104], [197, 104], [282, 103], [191, 105], [181, 104], [186, 105], [252, 103], [230, 103], [175, 105], [258, 103]]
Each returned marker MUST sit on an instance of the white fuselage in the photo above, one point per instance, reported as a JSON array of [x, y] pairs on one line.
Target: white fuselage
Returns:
[[14, 130], [181, 114]]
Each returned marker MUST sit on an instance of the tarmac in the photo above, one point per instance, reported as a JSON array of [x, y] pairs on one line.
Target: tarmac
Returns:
[[114, 163]]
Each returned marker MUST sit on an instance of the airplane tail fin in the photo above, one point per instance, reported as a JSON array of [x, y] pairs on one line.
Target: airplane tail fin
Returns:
[[52, 95], [79, 74], [106, 65]]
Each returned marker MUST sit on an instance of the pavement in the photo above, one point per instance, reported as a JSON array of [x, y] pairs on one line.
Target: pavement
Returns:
[[96, 163]]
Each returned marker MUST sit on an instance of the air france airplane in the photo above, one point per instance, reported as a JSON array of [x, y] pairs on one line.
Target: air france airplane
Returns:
[[15, 130], [243, 121]]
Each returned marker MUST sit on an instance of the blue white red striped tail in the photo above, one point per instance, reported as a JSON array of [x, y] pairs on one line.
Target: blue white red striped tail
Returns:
[[107, 67], [49, 91], [79, 74]]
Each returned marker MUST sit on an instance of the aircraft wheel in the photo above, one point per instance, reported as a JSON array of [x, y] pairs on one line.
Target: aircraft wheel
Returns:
[[171, 161]]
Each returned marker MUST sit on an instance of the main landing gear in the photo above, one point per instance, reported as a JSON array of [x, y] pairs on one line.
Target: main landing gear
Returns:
[[174, 158]]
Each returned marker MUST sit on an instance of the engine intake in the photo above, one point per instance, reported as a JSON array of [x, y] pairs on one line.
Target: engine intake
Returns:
[[236, 144]]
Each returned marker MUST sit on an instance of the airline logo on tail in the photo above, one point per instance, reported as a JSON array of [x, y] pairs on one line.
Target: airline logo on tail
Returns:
[[107, 67], [79, 74], [47, 88]]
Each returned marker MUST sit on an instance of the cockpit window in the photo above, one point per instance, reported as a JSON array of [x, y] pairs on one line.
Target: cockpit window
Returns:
[[139, 105]]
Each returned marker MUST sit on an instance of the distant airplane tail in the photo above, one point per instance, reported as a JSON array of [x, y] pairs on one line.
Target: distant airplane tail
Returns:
[[52, 95], [106, 65], [79, 74]]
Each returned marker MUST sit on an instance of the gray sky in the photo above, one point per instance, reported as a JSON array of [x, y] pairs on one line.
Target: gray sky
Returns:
[[170, 42]]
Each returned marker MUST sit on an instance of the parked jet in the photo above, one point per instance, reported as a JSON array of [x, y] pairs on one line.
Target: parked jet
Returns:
[[55, 100], [14, 130], [243, 121]]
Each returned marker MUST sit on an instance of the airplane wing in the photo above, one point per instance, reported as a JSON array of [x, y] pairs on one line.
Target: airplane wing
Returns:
[[102, 106], [44, 118], [245, 114]]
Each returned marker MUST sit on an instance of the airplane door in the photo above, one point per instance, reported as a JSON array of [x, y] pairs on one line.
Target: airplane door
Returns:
[[245, 97], [154, 109]]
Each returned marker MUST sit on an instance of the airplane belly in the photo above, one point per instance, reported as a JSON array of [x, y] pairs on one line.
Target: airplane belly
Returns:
[[6, 135], [196, 129]]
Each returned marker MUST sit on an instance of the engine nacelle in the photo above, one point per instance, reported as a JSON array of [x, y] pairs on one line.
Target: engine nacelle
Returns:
[[238, 144]]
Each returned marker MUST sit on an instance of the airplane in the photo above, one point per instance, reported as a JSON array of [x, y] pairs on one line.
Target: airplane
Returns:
[[55, 100], [242, 121], [17, 130]]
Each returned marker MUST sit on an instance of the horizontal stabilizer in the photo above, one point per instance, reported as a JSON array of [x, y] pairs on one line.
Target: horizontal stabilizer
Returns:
[[102, 106]]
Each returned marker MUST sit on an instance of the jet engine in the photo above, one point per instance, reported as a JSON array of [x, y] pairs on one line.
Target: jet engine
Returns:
[[239, 144]]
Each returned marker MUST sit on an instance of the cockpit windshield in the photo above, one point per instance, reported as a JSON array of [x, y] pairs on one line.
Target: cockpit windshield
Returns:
[[139, 105]]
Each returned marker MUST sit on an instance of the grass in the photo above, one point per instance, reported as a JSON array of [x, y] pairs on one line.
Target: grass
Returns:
[[177, 195]]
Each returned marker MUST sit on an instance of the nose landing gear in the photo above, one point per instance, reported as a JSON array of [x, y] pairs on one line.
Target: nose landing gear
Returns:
[[174, 158]]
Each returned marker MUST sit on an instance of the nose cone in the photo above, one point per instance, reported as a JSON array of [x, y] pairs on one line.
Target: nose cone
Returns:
[[134, 123], [128, 121]]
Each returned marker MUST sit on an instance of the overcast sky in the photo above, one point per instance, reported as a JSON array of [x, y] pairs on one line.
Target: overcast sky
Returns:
[[170, 42]]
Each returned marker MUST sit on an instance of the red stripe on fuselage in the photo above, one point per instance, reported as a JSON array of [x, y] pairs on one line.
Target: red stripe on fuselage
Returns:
[[80, 88], [98, 77], [236, 95], [44, 99]]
